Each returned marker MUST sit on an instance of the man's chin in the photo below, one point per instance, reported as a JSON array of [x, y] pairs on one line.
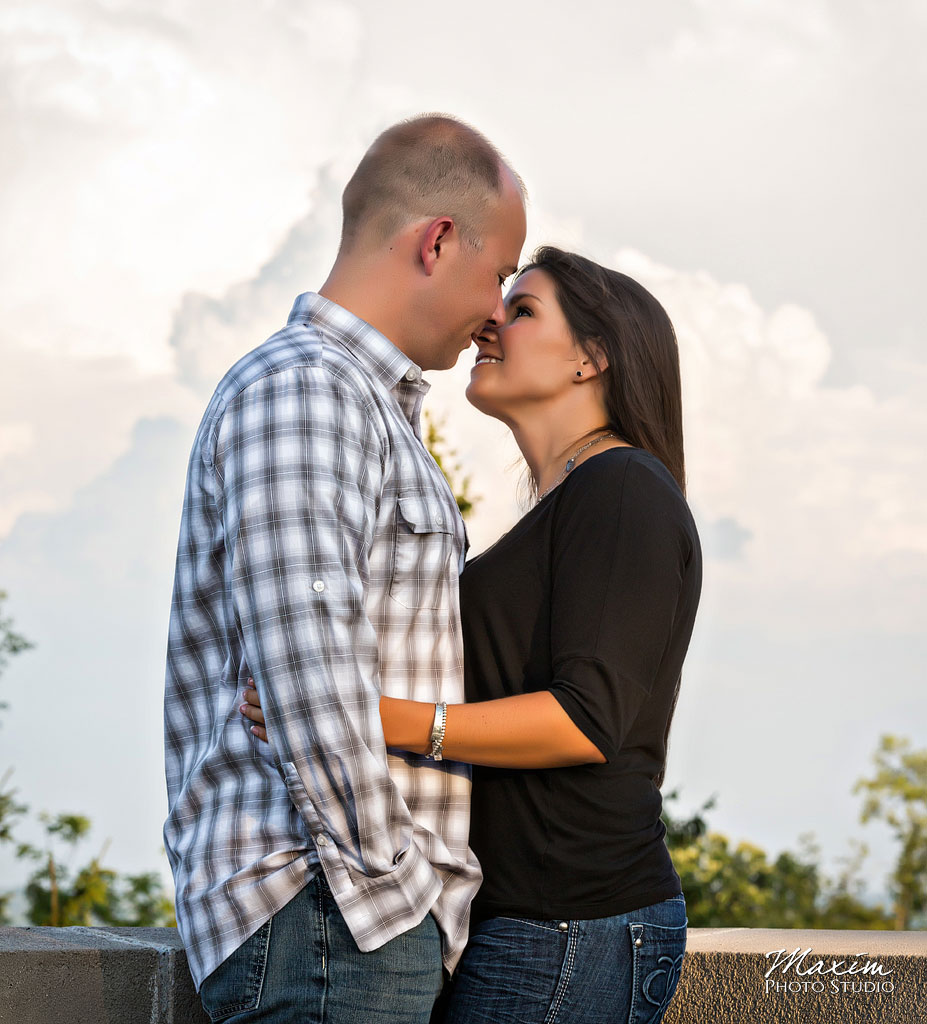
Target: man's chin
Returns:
[[440, 361], [454, 359]]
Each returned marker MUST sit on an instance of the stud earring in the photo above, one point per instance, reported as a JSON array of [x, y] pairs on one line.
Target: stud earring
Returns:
[[579, 373]]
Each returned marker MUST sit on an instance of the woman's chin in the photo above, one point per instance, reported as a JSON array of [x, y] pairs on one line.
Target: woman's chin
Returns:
[[478, 398]]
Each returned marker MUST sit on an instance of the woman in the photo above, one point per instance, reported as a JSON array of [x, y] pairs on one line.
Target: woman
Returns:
[[576, 624]]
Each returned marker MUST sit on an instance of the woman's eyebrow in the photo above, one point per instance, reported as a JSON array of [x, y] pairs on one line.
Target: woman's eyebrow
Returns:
[[521, 295]]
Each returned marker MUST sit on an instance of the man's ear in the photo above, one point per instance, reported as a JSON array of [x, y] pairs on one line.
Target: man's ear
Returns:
[[436, 234]]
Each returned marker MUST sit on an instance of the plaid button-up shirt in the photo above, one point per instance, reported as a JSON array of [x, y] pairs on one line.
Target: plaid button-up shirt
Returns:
[[320, 548]]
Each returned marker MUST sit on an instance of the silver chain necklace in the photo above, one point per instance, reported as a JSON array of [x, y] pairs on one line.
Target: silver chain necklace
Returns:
[[571, 462]]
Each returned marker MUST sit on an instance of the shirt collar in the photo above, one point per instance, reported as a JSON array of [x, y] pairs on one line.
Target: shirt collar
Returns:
[[373, 350]]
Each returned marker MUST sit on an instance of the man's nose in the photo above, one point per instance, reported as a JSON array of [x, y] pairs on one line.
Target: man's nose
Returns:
[[488, 333], [498, 314]]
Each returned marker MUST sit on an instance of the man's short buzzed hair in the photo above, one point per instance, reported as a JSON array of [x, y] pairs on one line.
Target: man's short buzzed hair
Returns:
[[425, 166]]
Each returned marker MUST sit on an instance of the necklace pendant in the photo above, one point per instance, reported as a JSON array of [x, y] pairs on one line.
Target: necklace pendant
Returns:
[[570, 464]]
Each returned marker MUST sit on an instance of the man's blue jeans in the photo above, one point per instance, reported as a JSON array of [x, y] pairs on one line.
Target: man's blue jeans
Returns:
[[303, 967], [610, 970]]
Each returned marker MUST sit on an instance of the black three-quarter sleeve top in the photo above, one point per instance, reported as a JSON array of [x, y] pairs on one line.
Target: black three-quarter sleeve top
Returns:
[[591, 595]]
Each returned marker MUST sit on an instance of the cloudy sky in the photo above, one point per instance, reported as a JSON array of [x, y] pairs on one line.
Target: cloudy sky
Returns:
[[169, 181]]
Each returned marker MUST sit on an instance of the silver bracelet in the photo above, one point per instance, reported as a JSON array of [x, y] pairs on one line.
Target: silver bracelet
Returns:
[[437, 731]]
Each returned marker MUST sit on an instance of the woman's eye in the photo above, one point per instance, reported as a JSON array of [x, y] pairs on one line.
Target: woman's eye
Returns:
[[521, 309]]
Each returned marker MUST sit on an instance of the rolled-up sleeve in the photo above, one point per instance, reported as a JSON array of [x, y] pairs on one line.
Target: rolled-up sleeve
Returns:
[[618, 561], [301, 465]]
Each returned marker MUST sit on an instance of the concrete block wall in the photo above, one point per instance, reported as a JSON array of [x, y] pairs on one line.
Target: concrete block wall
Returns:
[[140, 976], [727, 977], [96, 976]]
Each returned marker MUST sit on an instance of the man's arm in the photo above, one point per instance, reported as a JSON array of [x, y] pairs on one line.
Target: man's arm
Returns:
[[530, 730], [614, 604], [301, 470]]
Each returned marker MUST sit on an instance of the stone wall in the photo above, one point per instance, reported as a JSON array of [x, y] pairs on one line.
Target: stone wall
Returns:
[[139, 976], [724, 977], [95, 976]]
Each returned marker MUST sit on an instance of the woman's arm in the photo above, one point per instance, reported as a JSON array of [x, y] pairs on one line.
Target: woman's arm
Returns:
[[530, 730]]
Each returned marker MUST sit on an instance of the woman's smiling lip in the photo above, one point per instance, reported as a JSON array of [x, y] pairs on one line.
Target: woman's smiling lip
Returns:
[[484, 358]]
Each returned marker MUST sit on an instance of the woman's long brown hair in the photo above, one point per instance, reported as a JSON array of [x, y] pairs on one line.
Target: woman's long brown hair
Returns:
[[611, 315], [612, 312]]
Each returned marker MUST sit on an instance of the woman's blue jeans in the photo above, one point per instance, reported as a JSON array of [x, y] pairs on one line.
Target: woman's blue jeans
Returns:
[[610, 970], [303, 967]]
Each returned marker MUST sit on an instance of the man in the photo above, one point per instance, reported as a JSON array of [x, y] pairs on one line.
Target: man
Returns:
[[320, 878]]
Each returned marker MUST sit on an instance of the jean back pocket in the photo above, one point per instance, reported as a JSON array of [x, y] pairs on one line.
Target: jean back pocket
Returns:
[[235, 985], [658, 943]]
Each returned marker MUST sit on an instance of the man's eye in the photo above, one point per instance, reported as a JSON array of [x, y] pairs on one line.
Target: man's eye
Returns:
[[501, 281]]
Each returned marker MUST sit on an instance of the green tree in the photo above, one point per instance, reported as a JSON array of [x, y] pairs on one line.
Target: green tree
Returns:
[[11, 643], [91, 895], [739, 885], [57, 894], [436, 444], [846, 906], [897, 795], [11, 810]]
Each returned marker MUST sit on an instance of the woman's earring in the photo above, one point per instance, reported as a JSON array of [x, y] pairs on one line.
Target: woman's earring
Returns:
[[579, 373]]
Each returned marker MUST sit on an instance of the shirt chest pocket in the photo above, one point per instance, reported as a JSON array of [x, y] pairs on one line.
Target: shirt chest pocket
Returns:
[[423, 566]]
